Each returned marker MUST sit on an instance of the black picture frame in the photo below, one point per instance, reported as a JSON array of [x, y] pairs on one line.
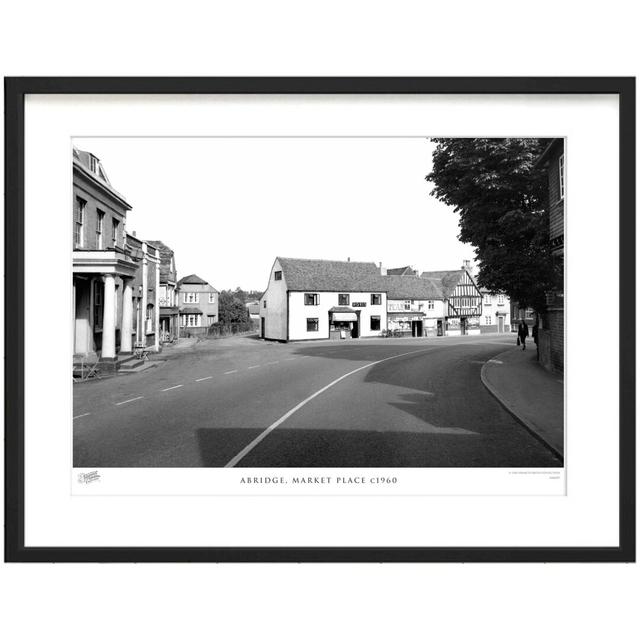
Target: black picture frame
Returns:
[[15, 91]]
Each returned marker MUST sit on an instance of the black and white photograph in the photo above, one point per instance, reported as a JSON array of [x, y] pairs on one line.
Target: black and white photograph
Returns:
[[318, 302]]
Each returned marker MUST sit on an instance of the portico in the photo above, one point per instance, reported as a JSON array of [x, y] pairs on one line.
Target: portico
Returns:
[[103, 297]]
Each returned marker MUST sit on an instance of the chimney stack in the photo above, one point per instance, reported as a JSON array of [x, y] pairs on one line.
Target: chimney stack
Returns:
[[348, 259]]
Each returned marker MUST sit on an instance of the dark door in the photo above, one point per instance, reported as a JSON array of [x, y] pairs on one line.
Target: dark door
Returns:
[[463, 326], [439, 332], [262, 327], [354, 329]]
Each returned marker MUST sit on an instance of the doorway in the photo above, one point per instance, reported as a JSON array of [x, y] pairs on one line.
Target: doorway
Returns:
[[500, 324], [262, 327], [463, 326], [416, 328]]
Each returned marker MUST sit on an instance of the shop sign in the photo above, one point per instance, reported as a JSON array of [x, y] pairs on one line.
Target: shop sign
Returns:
[[358, 304]]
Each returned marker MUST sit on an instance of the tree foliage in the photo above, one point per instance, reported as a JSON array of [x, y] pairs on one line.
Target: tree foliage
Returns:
[[231, 307], [500, 196]]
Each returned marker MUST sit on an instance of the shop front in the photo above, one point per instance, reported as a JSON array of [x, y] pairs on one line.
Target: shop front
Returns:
[[344, 323], [412, 324]]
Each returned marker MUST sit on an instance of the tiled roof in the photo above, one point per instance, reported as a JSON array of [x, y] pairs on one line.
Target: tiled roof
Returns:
[[331, 275], [445, 280], [166, 253], [402, 271], [412, 288], [194, 310], [192, 279], [83, 159]]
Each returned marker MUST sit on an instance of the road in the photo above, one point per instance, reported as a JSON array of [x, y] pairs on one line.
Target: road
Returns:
[[249, 403]]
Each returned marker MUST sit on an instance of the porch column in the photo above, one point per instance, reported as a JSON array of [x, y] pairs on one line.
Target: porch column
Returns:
[[109, 318], [127, 316], [145, 287], [156, 307]]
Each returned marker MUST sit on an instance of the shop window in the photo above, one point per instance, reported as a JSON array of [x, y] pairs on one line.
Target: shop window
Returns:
[[311, 299], [312, 324], [343, 299], [375, 323], [376, 298]]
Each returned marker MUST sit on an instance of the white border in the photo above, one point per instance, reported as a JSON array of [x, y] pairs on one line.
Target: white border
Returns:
[[587, 516]]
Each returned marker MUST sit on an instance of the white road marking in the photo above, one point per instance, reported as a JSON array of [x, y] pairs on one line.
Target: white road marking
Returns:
[[255, 366], [226, 373], [234, 461], [82, 415], [176, 387], [130, 400], [492, 361], [201, 379]]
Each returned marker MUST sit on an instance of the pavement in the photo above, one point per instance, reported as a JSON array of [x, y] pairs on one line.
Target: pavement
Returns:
[[529, 392], [363, 403]]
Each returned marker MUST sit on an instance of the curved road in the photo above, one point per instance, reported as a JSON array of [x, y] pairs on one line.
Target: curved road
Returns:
[[390, 403]]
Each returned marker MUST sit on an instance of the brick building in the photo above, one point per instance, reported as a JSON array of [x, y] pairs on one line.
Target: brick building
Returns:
[[198, 305], [113, 272], [167, 294], [551, 333]]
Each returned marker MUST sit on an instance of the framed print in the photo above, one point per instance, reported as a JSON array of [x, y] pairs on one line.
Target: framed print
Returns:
[[320, 319]]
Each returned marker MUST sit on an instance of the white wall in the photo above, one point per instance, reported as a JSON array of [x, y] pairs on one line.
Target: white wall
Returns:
[[299, 312], [489, 311], [275, 313]]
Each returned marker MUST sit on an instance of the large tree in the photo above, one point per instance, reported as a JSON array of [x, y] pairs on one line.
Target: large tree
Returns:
[[231, 307], [500, 196]]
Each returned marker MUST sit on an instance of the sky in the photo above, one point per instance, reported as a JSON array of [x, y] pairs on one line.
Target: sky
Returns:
[[229, 206]]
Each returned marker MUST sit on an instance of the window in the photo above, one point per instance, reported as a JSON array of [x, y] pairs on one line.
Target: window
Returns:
[[407, 305], [487, 319], [264, 304], [375, 323], [191, 297], [277, 275], [500, 298], [487, 300], [212, 298], [343, 299], [191, 320], [311, 299], [376, 298], [312, 324], [99, 228], [430, 304], [97, 304], [561, 170], [78, 219], [115, 231]]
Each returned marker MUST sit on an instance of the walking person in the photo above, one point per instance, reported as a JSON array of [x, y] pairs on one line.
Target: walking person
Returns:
[[523, 333]]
